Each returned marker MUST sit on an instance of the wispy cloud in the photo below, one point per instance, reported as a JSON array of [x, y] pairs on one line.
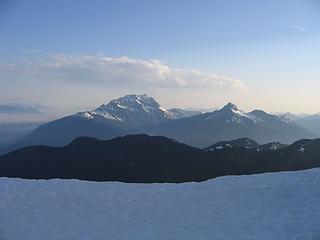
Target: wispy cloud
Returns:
[[99, 69], [298, 28]]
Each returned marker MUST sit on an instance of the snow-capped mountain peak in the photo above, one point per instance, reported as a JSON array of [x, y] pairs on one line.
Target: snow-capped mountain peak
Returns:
[[134, 111], [234, 110], [230, 113], [133, 102], [233, 114]]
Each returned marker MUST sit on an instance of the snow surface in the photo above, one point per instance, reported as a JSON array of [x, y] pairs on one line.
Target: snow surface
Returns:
[[266, 206]]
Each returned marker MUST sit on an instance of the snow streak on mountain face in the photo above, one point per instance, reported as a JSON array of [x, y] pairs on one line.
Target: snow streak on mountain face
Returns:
[[267, 206], [134, 111], [131, 103]]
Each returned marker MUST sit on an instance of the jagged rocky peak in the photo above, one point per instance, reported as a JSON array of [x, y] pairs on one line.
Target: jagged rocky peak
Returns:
[[132, 111], [130, 102]]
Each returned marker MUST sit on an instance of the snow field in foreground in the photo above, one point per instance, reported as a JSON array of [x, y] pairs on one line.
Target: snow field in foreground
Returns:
[[266, 206]]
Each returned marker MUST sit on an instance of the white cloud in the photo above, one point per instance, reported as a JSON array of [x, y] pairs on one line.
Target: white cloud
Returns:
[[298, 28], [120, 71]]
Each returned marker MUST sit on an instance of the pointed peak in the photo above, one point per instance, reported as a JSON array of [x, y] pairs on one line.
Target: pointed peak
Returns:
[[230, 106]]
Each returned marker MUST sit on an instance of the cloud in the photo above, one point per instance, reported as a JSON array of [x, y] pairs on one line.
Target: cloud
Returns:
[[99, 69], [298, 28]]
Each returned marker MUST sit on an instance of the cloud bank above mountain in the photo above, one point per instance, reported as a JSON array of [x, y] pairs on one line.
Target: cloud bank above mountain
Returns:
[[122, 71]]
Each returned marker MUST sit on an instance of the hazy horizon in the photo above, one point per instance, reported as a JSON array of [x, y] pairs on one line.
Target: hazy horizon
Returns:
[[47, 113]]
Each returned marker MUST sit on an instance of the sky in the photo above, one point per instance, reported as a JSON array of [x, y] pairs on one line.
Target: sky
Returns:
[[72, 56]]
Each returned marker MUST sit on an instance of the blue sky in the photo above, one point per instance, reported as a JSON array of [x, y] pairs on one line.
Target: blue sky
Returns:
[[271, 47]]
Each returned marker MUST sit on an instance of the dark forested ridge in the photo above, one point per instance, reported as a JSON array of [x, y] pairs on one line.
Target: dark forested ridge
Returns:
[[141, 158]]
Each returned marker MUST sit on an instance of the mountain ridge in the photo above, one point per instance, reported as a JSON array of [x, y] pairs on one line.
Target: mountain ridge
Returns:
[[151, 159], [134, 114], [230, 123]]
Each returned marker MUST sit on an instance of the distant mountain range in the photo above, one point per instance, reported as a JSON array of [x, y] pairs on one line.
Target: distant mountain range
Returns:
[[141, 158], [134, 114], [231, 123], [17, 108], [310, 122], [12, 132]]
